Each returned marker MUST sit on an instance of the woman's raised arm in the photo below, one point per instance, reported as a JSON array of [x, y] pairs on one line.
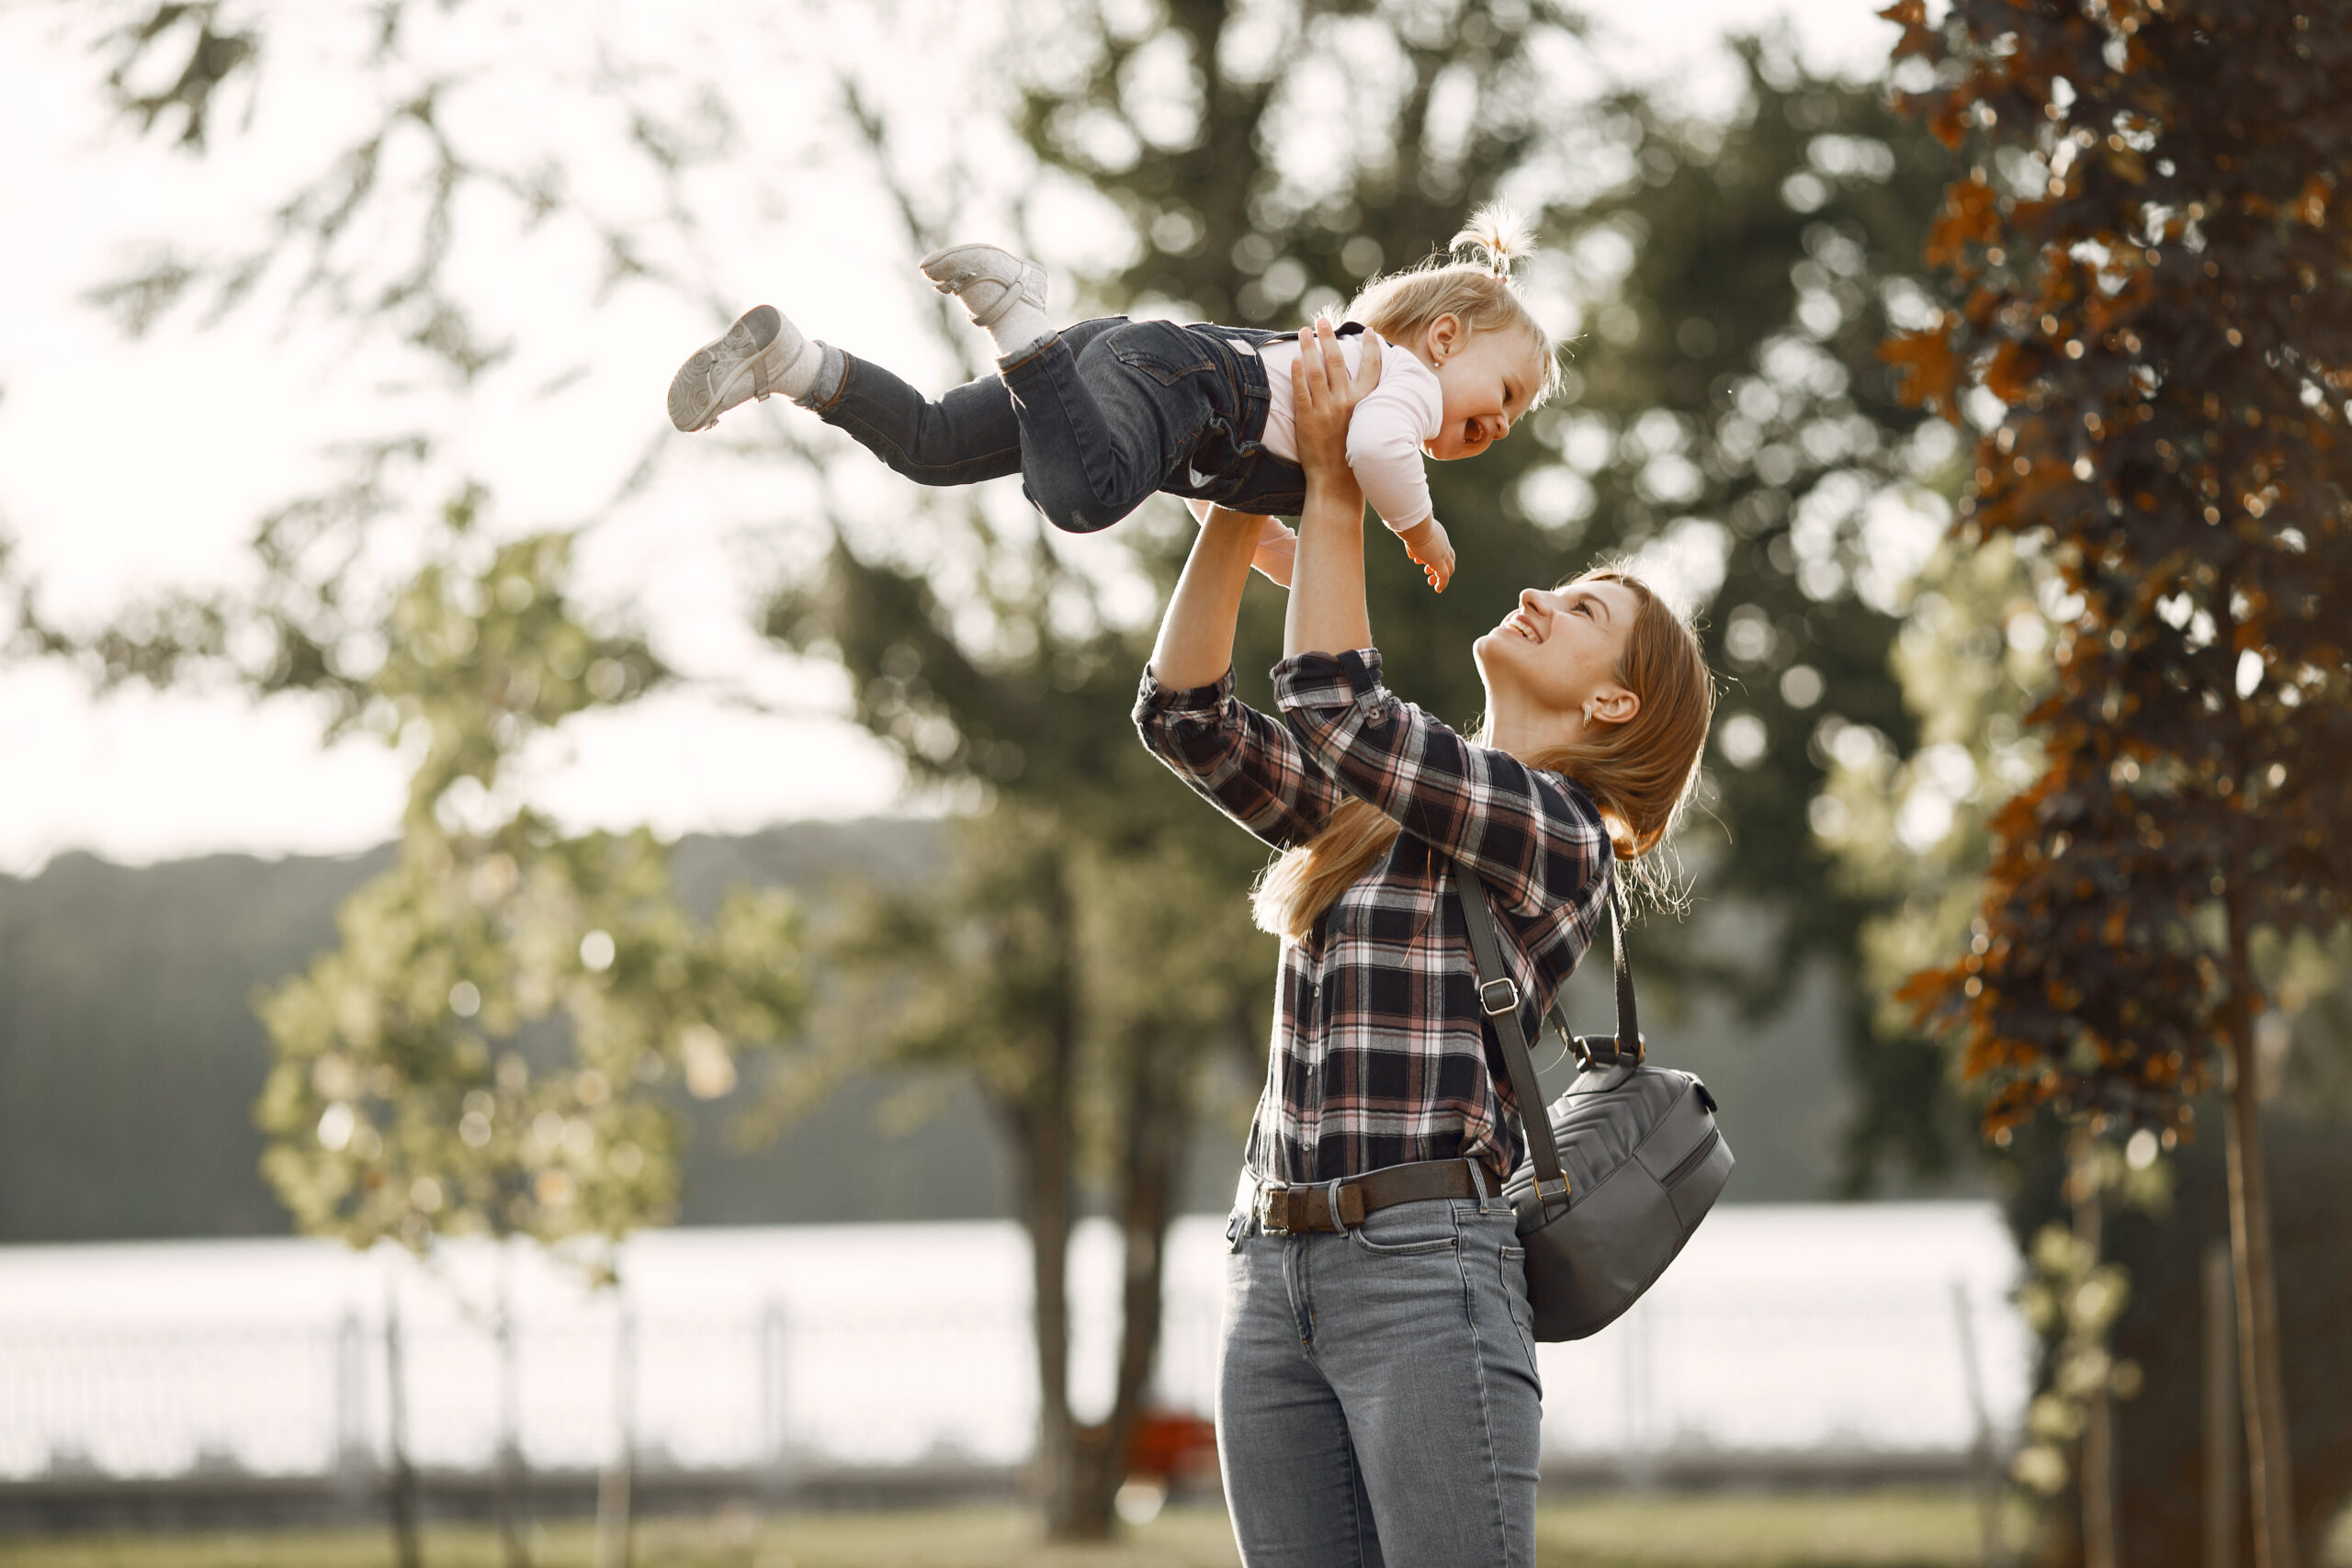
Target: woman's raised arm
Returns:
[[1328, 612], [1195, 644]]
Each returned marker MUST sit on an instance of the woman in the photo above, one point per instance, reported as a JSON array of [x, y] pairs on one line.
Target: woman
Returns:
[[1378, 1398]]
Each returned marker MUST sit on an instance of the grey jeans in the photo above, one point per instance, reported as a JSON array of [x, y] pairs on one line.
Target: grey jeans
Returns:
[[1377, 1396]]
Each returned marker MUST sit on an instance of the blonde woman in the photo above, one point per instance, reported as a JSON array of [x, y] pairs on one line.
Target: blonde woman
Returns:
[[1378, 1399]]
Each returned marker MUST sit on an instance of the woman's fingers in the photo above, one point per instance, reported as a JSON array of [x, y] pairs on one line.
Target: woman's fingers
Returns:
[[1367, 374], [1334, 358]]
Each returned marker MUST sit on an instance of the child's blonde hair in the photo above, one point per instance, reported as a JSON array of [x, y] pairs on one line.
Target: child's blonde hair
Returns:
[[1479, 292]]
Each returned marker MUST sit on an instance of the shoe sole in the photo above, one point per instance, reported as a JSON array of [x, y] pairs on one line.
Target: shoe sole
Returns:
[[703, 381]]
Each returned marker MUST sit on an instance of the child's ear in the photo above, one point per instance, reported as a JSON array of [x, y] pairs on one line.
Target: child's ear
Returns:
[[1446, 336]]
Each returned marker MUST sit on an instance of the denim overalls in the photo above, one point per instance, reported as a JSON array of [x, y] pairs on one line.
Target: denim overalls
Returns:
[[1094, 419]]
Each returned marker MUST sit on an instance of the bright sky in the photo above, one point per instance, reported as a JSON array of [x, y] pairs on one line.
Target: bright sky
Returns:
[[128, 466]]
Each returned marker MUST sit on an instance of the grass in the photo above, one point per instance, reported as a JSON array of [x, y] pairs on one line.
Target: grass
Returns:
[[1877, 1530]]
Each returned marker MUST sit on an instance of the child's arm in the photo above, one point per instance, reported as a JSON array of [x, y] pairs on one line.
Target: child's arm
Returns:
[[1384, 450], [1429, 544]]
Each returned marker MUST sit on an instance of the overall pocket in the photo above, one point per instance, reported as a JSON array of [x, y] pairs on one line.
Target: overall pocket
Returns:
[[1161, 350]]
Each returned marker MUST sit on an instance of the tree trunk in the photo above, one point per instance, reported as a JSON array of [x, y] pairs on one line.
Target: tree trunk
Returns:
[[1158, 1117], [614, 1519], [2098, 1480], [400, 1495], [2270, 1465], [1046, 1215], [2221, 1416], [512, 1547], [1041, 1114]]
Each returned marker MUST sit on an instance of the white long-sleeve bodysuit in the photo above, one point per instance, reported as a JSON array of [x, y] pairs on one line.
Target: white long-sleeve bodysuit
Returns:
[[1385, 435]]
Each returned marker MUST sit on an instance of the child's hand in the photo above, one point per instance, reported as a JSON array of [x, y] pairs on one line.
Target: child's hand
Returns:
[[1426, 543]]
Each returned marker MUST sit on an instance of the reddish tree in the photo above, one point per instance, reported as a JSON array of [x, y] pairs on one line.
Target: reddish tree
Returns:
[[2151, 262]]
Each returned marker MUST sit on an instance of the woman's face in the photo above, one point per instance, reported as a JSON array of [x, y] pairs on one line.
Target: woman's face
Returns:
[[1559, 648]]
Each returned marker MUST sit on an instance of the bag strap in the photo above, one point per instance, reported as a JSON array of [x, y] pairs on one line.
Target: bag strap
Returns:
[[1485, 951], [1630, 1049], [1499, 999]]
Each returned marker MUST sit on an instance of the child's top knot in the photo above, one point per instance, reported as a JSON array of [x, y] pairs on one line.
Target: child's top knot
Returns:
[[1501, 236]]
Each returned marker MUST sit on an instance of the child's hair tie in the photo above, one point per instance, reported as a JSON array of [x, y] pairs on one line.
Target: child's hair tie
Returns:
[[1499, 233]]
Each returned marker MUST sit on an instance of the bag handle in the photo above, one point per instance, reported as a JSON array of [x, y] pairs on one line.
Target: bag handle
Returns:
[[1499, 999]]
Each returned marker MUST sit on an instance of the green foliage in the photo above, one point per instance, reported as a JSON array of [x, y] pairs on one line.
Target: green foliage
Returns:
[[2072, 1298], [486, 1051], [1908, 829]]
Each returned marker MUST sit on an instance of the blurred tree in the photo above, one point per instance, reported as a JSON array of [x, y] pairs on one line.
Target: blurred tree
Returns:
[[1733, 416], [1089, 987], [1973, 662], [487, 1052], [2151, 261]]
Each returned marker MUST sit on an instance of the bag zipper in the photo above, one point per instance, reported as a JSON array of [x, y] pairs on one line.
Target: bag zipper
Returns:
[[1690, 1161]]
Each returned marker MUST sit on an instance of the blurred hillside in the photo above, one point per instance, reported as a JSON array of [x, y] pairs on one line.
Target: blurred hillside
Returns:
[[129, 1054]]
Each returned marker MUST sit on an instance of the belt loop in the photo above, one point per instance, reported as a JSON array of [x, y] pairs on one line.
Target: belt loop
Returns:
[[1478, 1180], [1331, 1197]]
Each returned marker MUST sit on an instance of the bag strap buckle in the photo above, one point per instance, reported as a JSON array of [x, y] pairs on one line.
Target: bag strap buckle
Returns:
[[1507, 988]]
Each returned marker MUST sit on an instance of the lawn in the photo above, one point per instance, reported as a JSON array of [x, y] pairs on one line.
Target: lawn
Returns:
[[1879, 1529]]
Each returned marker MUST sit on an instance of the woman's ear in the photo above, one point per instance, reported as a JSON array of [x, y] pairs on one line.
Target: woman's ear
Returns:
[[1611, 704]]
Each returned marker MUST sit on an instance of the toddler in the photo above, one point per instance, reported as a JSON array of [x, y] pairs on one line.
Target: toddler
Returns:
[[1097, 416]]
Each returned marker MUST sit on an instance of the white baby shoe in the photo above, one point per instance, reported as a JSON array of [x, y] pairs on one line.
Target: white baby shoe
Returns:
[[990, 281], [761, 353]]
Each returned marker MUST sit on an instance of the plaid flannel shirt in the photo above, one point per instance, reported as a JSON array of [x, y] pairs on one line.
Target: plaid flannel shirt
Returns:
[[1380, 1054]]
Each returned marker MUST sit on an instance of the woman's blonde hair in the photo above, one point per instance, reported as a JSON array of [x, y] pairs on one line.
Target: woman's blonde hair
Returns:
[[1479, 292], [1641, 773]]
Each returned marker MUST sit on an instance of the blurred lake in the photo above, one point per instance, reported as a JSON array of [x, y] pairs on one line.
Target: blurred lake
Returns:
[[1847, 1328]]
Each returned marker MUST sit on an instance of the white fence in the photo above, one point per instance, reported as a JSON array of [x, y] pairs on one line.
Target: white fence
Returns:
[[1859, 1329]]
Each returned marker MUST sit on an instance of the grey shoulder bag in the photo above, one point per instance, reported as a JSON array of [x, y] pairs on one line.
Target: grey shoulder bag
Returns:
[[1620, 1171]]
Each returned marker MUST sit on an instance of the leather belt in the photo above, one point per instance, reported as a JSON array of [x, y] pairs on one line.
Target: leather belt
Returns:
[[1291, 1211]]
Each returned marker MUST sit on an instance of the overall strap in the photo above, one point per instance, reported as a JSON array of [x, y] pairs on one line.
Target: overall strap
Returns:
[[1499, 999]]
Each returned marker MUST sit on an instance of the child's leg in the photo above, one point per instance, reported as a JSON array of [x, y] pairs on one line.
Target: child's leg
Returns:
[[965, 436], [1108, 410], [968, 435]]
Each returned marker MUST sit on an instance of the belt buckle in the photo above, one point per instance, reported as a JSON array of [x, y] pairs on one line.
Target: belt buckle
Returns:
[[1266, 1196]]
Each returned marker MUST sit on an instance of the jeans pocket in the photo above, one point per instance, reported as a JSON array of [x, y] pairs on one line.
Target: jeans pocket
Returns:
[[1410, 1229], [1511, 1265], [1161, 350]]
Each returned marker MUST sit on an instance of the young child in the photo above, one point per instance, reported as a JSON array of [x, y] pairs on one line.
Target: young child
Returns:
[[1097, 416]]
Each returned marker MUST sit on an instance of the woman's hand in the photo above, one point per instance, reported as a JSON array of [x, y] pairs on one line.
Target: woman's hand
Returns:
[[1324, 398], [1326, 612]]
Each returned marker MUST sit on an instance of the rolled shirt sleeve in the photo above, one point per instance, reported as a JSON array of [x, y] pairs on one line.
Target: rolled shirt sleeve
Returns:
[[1246, 764]]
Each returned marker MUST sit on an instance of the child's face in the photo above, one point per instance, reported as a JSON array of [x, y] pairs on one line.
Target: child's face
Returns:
[[1489, 379]]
